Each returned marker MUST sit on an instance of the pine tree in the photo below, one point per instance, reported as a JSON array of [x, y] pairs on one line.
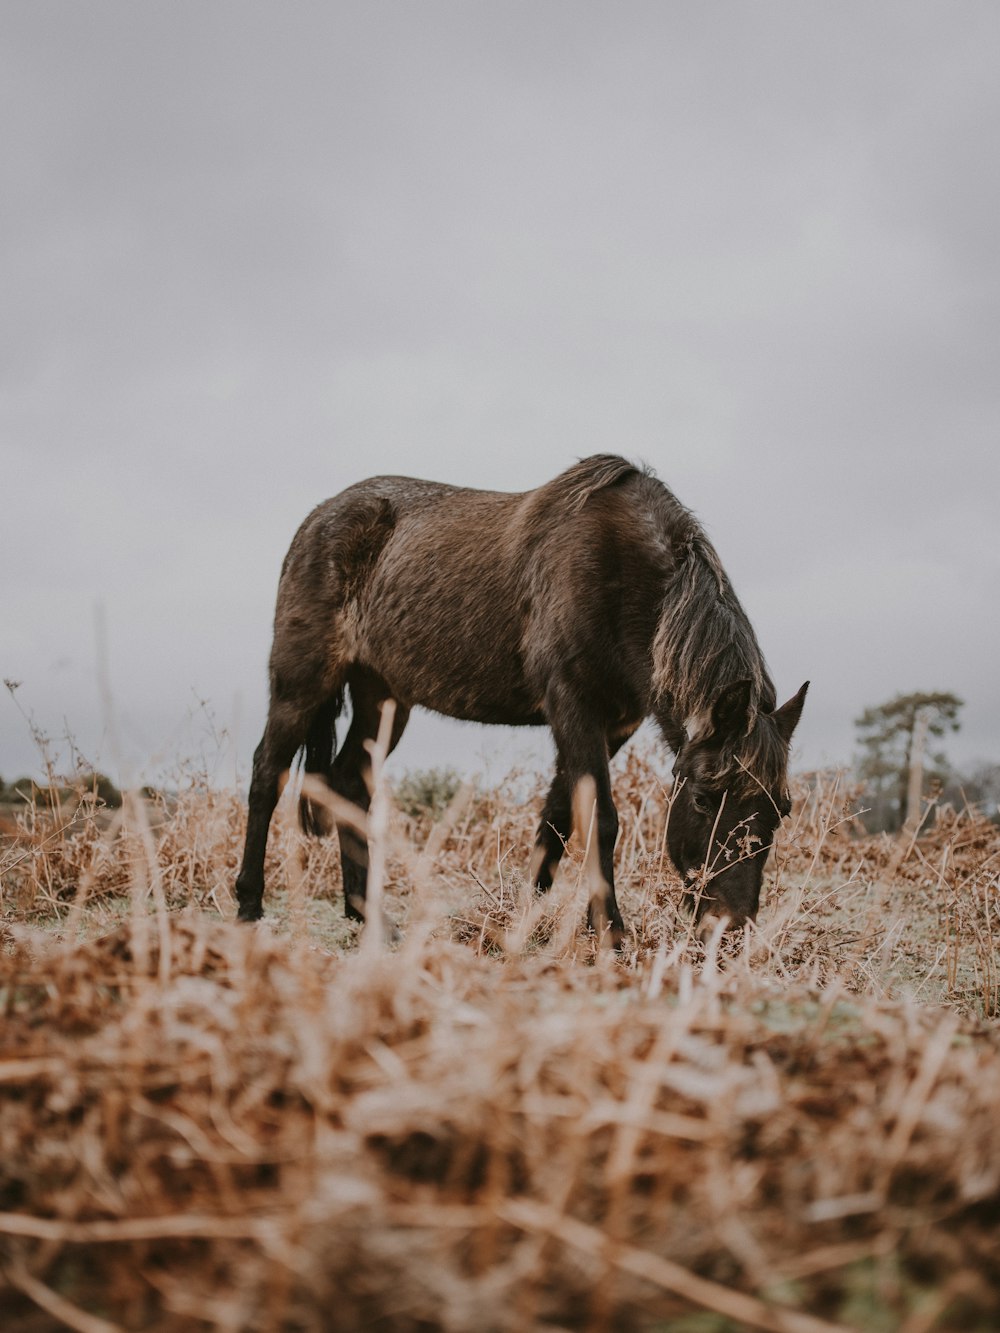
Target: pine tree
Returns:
[[886, 733]]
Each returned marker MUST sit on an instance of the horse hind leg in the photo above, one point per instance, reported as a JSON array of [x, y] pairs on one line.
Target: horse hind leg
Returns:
[[320, 747], [285, 733], [304, 695], [350, 778], [554, 829], [311, 656]]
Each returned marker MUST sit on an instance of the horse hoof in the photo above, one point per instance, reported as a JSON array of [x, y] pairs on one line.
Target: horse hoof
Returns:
[[354, 907]]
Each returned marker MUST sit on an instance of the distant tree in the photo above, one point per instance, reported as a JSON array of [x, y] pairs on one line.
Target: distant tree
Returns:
[[886, 734], [18, 792], [30, 790], [101, 786]]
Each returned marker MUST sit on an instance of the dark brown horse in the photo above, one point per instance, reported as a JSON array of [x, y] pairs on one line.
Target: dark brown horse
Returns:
[[586, 605]]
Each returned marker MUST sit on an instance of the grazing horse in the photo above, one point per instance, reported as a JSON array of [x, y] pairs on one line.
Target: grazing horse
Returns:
[[586, 605]]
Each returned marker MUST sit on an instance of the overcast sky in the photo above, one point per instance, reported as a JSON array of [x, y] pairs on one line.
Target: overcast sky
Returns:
[[251, 253]]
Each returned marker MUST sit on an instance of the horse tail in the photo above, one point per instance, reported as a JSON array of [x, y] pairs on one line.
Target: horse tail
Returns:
[[319, 750]]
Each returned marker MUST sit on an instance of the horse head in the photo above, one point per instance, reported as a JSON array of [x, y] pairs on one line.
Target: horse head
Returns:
[[730, 795]]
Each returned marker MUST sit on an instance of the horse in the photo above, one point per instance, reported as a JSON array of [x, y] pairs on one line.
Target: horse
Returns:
[[588, 605]]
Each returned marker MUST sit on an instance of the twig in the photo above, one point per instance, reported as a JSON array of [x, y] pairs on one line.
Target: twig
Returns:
[[174, 1226], [378, 832], [58, 1306]]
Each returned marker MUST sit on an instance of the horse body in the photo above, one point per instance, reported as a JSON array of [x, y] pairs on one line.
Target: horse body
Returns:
[[587, 605], [462, 544]]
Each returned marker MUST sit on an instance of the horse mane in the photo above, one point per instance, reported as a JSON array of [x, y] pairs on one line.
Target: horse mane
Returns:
[[704, 640], [578, 483]]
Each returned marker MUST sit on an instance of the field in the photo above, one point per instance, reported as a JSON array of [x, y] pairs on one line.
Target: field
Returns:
[[491, 1123]]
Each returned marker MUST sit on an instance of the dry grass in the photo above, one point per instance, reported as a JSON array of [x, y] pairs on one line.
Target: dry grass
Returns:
[[495, 1125]]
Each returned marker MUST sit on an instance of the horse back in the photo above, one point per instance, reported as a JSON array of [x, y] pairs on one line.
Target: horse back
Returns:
[[470, 602]]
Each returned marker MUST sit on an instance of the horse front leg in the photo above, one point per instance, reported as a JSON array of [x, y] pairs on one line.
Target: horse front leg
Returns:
[[595, 823], [556, 823], [583, 760]]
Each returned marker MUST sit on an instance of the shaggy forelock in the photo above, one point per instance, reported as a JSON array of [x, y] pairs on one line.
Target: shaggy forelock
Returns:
[[753, 763]]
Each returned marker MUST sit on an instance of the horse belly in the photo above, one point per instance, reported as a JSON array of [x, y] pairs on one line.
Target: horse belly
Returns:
[[456, 655]]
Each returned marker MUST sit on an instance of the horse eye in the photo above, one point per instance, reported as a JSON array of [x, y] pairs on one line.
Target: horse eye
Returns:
[[701, 804]]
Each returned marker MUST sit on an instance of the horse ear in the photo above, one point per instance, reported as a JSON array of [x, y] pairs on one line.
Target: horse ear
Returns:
[[787, 716], [731, 710]]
